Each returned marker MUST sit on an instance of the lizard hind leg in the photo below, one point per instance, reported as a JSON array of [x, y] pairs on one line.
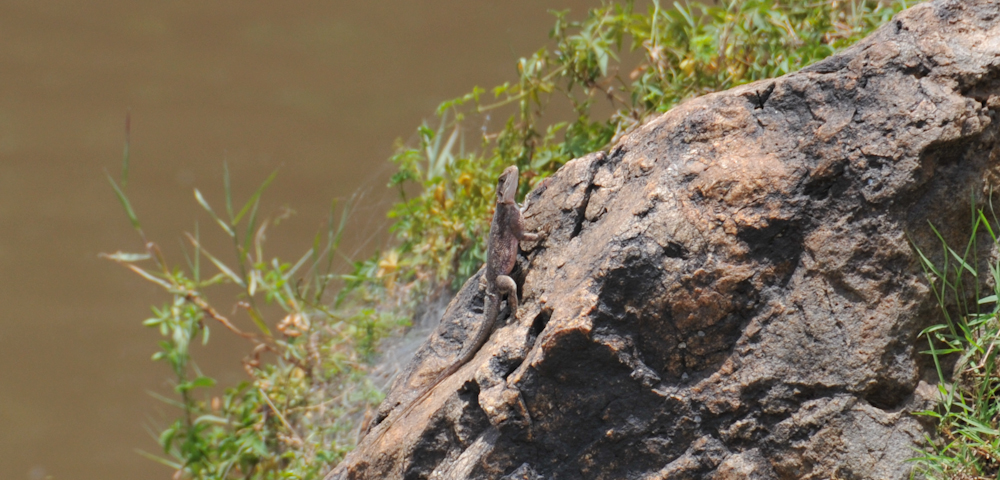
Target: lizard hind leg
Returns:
[[507, 289]]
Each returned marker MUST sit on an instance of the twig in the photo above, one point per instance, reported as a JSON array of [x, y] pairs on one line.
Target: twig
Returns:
[[194, 298], [280, 416]]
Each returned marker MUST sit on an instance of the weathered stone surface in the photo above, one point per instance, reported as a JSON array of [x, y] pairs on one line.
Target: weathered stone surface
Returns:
[[730, 292]]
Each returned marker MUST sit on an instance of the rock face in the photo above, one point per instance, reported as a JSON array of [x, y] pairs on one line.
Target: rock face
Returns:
[[731, 291]]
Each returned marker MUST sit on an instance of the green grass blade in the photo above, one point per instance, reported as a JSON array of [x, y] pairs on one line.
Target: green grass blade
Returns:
[[152, 278], [126, 205], [251, 225], [164, 399], [986, 223], [208, 208], [123, 257], [298, 264], [158, 459], [256, 195], [228, 190], [215, 419], [259, 322], [197, 254], [218, 263], [927, 263], [125, 154]]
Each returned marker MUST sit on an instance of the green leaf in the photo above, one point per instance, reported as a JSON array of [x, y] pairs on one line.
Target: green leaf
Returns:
[[211, 419], [127, 257], [259, 322], [160, 460], [196, 261], [125, 154], [151, 277], [204, 203], [228, 191], [602, 61], [252, 202], [125, 204], [218, 263], [203, 382], [167, 400], [302, 261], [167, 438]]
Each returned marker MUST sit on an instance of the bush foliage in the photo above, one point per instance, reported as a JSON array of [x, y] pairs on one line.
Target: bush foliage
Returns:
[[296, 413], [634, 64]]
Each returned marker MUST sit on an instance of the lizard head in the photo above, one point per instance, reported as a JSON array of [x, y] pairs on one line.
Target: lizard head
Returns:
[[507, 185]]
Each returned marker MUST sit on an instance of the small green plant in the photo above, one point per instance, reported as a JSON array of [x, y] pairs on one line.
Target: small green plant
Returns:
[[968, 417], [307, 381]]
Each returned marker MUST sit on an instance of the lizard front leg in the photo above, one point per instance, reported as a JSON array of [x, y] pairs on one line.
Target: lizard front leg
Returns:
[[506, 288], [516, 226]]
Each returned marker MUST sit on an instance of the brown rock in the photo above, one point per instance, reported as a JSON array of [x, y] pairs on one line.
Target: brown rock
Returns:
[[730, 292]]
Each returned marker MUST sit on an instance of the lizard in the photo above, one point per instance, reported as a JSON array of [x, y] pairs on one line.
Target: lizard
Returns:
[[506, 233]]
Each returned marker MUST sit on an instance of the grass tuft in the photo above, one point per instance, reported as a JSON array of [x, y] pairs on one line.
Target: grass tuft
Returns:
[[968, 415]]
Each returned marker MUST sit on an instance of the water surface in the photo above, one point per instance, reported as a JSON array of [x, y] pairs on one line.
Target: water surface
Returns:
[[320, 90]]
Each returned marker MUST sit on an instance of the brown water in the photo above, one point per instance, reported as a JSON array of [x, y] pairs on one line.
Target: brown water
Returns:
[[320, 90]]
